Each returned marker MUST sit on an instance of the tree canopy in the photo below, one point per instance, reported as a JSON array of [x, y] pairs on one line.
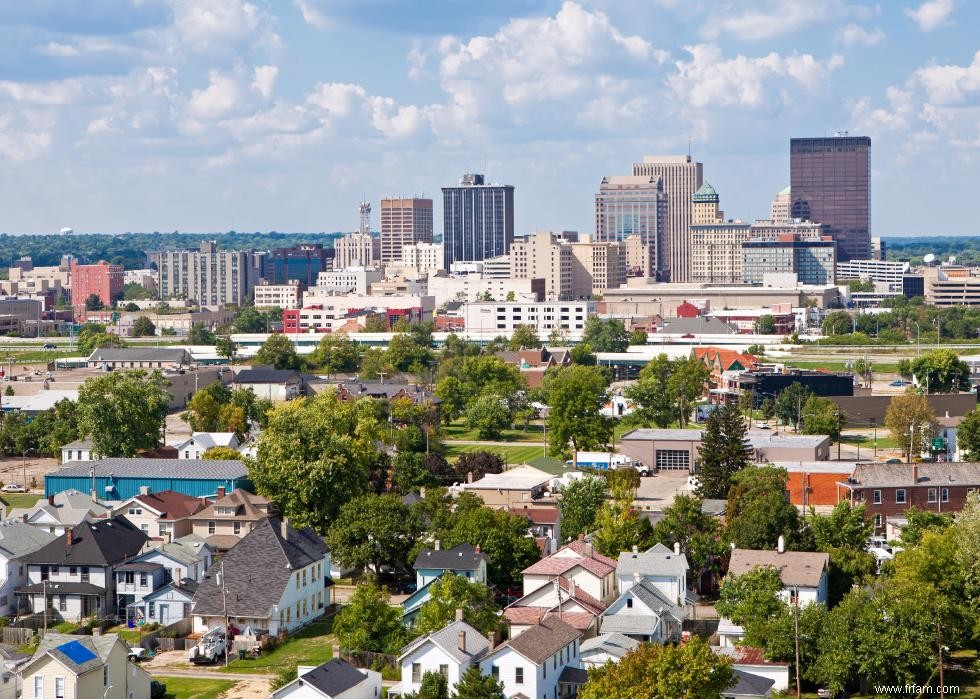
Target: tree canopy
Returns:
[[911, 421], [723, 452], [452, 592], [123, 411], [605, 334], [371, 531], [575, 396]]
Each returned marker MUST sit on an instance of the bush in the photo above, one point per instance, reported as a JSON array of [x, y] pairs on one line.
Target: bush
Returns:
[[158, 690], [283, 677]]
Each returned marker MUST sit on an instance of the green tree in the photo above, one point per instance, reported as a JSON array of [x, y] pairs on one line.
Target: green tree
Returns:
[[524, 337], [280, 352], [203, 412], [638, 337], [579, 505], [575, 396], [473, 684], [723, 452], [837, 323], [847, 526], [759, 510], [316, 454], [93, 337], [650, 394], [225, 347], [941, 371], [199, 335], [371, 531], [790, 402], [617, 528], [221, 454], [558, 337], [911, 421], [605, 334], [123, 411], [336, 354], [410, 471], [434, 686], [752, 600], [143, 327], [464, 379], [93, 303], [698, 534], [822, 416], [135, 291], [690, 670], [369, 622], [848, 567], [249, 320], [686, 385], [478, 463], [488, 415], [765, 325], [375, 323], [919, 521], [452, 592], [56, 427], [582, 354]]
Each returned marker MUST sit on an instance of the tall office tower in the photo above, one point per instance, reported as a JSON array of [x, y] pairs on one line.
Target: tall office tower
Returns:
[[356, 250], [102, 280], [705, 206], [210, 277], [477, 220], [628, 205], [830, 182], [681, 177], [300, 263], [812, 261], [779, 210], [542, 256], [716, 252], [596, 267], [404, 221]]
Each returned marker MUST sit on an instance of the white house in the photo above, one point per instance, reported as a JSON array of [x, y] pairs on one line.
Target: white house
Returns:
[[464, 560], [16, 541], [562, 599], [187, 557], [580, 563], [948, 427], [61, 512], [664, 569], [542, 662], [335, 679], [753, 661], [79, 667], [270, 384], [609, 647], [645, 613], [200, 442], [166, 604], [451, 650], [79, 450]]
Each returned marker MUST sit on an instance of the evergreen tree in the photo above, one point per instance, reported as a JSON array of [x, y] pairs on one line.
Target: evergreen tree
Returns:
[[723, 452], [475, 685]]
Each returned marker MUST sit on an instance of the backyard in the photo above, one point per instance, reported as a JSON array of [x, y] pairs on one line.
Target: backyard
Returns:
[[312, 645], [195, 687]]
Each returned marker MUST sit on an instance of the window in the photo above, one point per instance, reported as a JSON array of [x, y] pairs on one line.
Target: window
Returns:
[[238, 527], [145, 527], [54, 570], [416, 673], [59, 688], [73, 570], [62, 603], [931, 495], [876, 497], [164, 529], [900, 495], [38, 687], [518, 675], [877, 521], [629, 602], [105, 675], [142, 579], [495, 672], [211, 527], [444, 670], [944, 494], [151, 610]]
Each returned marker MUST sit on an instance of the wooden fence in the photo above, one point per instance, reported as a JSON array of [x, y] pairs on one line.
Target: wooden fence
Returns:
[[366, 659], [17, 636]]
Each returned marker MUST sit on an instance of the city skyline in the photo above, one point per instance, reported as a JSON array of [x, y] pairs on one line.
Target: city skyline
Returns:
[[228, 114]]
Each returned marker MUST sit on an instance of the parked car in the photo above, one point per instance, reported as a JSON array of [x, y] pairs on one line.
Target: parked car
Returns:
[[898, 383], [762, 426], [13, 488], [49, 346]]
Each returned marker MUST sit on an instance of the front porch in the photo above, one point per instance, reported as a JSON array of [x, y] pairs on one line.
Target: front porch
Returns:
[[64, 601]]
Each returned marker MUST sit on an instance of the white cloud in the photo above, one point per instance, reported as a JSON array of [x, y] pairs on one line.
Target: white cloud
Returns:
[[932, 14], [776, 18], [852, 34], [208, 25], [312, 14], [709, 80], [223, 95], [264, 81], [57, 93], [338, 99], [950, 84], [58, 50]]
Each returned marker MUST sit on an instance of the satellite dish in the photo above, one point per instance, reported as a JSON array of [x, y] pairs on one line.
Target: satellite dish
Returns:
[[929, 259], [66, 231]]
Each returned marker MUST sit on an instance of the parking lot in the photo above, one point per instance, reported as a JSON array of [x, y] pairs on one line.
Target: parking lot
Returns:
[[657, 492]]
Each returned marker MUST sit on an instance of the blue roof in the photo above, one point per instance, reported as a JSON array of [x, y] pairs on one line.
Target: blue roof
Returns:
[[76, 652]]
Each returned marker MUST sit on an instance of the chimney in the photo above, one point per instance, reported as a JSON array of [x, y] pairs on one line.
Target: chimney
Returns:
[[68, 540], [915, 473], [23, 518], [492, 639], [588, 549], [437, 545], [781, 544], [469, 476], [284, 528], [144, 490], [51, 500], [636, 549], [636, 578], [571, 588], [221, 491], [95, 496], [462, 636], [677, 548], [459, 615], [422, 492], [477, 549], [581, 536]]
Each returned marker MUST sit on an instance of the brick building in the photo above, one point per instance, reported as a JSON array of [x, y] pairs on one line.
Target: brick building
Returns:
[[888, 490], [101, 279]]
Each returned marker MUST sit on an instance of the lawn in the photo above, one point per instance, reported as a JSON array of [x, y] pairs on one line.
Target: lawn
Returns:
[[510, 454], [20, 499], [833, 365], [885, 440], [458, 430], [194, 687], [312, 645], [132, 636]]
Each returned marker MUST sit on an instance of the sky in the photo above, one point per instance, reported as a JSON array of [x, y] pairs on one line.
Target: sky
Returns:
[[214, 115]]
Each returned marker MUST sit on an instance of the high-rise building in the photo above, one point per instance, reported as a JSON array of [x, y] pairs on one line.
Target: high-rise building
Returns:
[[356, 250], [540, 256], [478, 220], [705, 206], [422, 257], [779, 210], [596, 267], [300, 263], [879, 250], [681, 178], [716, 252], [628, 205], [208, 276], [830, 182], [812, 261], [404, 221], [102, 279]]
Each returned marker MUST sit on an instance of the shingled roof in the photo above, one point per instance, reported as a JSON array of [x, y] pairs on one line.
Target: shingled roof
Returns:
[[542, 640], [101, 543], [257, 570], [462, 557], [795, 567]]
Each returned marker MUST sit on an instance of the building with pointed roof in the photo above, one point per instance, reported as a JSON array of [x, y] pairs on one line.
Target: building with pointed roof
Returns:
[[65, 665], [542, 661], [224, 522], [450, 650], [645, 613], [334, 679], [163, 516]]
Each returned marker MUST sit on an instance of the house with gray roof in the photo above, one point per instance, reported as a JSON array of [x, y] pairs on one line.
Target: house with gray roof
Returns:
[[84, 666], [110, 358], [199, 442], [79, 450], [543, 661], [17, 540], [60, 512], [276, 578], [645, 613], [450, 650], [334, 679], [607, 647], [270, 384], [660, 566]]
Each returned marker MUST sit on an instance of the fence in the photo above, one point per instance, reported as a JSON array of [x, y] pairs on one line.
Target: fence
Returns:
[[168, 635], [164, 644], [366, 659], [17, 636]]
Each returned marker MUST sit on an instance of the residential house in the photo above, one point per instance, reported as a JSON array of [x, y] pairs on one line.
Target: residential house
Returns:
[[562, 599], [748, 686], [533, 363], [166, 604], [803, 574], [79, 450], [645, 613], [83, 667], [544, 526], [73, 574], [430, 565], [888, 490], [135, 580], [276, 578], [386, 391], [753, 661], [187, 557], [609, 647], [335, 679], [270, 384], [660, 566], [58, 513], [17, 540], [579, 562], [514, 488], [450, 651], [224, 522], [542, 662], [162, 516], [948, 427], [11, 662], [719, 360], [200, 442]]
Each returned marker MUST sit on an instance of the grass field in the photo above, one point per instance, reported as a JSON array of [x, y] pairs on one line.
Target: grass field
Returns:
[[458, 430], [885, 440], [20, 499], [312, 645], [510, 454], [840, 365], [194, 687]]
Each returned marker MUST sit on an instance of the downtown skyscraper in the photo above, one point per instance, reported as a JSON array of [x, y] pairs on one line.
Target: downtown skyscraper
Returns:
[[830, 183], [404, 221], [478, 220]]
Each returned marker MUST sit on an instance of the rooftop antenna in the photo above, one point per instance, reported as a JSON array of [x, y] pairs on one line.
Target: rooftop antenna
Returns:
[[689, 139], [364, 209]]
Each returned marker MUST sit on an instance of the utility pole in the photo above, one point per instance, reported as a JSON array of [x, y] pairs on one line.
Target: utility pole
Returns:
[[796, 637], [939, 637], [44, 592], [224, 606]]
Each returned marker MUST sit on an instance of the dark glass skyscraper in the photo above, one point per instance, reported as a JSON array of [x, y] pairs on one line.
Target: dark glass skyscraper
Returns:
[[477, 219], [302, 263], [830, 182]]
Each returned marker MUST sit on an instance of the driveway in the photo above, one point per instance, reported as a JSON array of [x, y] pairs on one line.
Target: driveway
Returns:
[[657, 492]]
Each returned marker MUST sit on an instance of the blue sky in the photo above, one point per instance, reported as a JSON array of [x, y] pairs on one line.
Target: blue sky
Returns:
[[207, 115]]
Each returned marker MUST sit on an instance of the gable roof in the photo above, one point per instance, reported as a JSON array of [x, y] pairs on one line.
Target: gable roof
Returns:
[[462, 557], [70, 507], [615, 644], [80, 654], [177, 551], [215, 469], [658, 560], [587, 557], [725, 359], [932, 475], [245, 504], [257, 570], [170, 504], [19, 539], [101, 543], [542, 640], [209, 440], [332, 678], [654, 599], [538, 515], [747, 684], [519, 478], [447, 639], [795, 567]]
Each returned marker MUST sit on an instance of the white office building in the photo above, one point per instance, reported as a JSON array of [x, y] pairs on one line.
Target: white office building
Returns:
[[501, 318]]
